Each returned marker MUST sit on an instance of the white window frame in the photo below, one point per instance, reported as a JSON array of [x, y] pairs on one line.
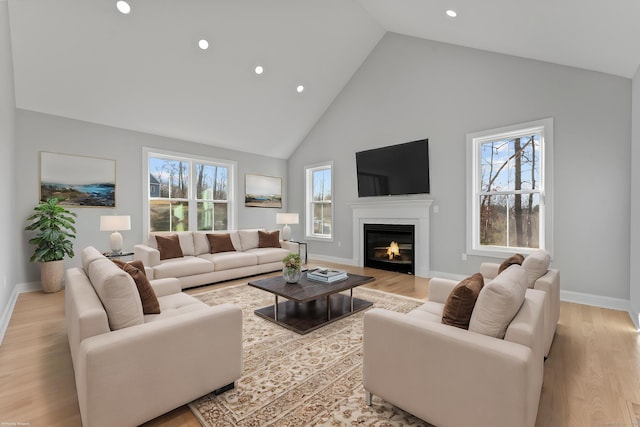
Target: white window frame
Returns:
[[309, 170], [147, 152], [474, 170]]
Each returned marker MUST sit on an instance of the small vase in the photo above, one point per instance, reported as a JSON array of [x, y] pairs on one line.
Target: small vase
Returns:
[[291, 275]]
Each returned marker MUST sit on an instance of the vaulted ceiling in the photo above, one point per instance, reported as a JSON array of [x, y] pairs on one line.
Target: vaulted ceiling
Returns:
[[144, 71]]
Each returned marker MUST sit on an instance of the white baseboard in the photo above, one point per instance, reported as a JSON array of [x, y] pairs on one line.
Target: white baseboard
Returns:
[[8, 310], [345, 261]]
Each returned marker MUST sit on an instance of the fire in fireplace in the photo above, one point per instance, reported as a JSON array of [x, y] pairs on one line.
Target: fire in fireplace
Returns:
[[390, 247]]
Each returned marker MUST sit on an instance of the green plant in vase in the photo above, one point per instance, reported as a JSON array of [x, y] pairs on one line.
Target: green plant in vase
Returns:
[[53, 241], [291, 270]]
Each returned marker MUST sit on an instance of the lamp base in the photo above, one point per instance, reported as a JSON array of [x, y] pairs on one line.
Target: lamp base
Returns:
[[286, 233], [116, 242]]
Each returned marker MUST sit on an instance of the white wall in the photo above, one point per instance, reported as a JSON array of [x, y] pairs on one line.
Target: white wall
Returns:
[[634, 284], [7, 144], [37, 132], [410, 88]]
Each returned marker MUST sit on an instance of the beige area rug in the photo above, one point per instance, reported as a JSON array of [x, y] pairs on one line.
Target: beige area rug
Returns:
[[300, 380]]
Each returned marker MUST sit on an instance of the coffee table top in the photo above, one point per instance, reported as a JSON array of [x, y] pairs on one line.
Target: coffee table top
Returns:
[[308, 290]]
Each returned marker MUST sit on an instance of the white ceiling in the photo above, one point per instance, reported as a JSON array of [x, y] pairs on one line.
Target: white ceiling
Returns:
[[143, 71]]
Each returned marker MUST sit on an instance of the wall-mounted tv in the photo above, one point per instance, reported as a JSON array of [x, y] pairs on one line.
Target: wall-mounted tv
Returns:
[[394, 170]]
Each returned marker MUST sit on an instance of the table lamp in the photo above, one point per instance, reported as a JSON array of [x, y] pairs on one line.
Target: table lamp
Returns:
[[115, 223], [286, 219]]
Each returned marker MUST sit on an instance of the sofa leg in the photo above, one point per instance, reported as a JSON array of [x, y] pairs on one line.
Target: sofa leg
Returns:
[[225, 388], [368, 397]]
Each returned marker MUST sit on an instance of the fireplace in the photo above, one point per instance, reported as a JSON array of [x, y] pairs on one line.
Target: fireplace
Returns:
[[390, 247]]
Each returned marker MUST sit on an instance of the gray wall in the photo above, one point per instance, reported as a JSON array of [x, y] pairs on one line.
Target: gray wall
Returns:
[[411, 88], [37, 132], [635, 203], [7, 144]]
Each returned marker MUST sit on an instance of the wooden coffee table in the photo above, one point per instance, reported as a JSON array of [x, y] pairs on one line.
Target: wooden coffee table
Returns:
[[310, 304]]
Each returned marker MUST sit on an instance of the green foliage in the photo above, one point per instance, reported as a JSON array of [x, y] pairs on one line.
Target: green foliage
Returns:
[[54, 226], [292, 261]]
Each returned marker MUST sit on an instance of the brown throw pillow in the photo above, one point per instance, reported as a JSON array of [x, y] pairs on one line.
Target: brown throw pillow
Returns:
[[268, 239], [459, 306], [220, 242], [169, 246], [513, 259], [135, 269]]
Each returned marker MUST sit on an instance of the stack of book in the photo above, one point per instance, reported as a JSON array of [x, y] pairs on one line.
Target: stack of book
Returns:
[[326, 275]]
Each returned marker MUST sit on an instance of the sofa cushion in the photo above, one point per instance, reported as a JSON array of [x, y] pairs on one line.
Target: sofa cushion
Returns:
[[118, 294], [182, 267], [220, 242], [175, 305], [231, 260], [513, 259], [431, 307], [269, 255], [148, 297], [169, 246], [200, 243], [536, 265], [88, 255], [498, 302], [269, 239], [459, 305], [248, 239]]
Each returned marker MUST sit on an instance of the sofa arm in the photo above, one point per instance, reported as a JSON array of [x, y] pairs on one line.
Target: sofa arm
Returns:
[[167, 286], [439, 289], [550, 283], [149, 256], [428, 368], [292, 247], [131, 375], [489, 270]]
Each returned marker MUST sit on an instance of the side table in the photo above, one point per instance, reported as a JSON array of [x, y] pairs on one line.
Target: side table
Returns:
[[112, 255], [302, 252]]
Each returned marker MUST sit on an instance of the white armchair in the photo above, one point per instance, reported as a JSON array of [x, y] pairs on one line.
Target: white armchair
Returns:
[[453, 377]]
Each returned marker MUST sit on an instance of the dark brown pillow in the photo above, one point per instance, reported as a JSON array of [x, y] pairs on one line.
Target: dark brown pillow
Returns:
[[169, 246], [513, 259], [459, 306], [268, 239], [135, 269], [220, 242]]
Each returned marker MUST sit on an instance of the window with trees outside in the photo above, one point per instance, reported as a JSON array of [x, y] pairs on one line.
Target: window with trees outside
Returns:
[[510, 189], [189, 194], [319, 190]]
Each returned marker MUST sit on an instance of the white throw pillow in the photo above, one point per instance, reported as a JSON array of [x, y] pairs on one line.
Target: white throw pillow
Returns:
[[248, 239], [536, 265], [498, 302]]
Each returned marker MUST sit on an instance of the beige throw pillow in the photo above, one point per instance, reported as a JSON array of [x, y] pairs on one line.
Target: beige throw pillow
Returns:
[[536, 265], [498, 302]]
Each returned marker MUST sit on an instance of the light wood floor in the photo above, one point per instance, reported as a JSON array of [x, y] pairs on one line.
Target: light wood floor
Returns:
[[592, 375]]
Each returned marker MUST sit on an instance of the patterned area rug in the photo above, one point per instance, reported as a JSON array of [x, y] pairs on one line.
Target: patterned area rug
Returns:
[[300, 380]]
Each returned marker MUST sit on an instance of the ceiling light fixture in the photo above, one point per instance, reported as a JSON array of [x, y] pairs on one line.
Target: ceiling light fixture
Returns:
[[300, 88], [451, 13], [203, 44], [259, 70], [123, 7]]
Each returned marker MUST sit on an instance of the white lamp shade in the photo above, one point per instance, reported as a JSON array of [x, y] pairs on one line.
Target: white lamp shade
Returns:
[[287, 218], [115, 222]]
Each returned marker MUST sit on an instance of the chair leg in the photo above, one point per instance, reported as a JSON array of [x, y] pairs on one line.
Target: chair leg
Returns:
[[368, 397]]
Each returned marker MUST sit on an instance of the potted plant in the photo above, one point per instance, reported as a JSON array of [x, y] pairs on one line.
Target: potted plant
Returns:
[[291, 270], [54, 226]]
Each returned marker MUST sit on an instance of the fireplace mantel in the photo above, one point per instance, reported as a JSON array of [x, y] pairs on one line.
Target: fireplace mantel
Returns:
[[411, 211]]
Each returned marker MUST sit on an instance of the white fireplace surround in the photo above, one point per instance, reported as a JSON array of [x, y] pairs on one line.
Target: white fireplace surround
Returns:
[[412, 212]]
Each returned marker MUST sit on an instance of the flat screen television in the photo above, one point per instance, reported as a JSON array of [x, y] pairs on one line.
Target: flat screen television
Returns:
[[394, 170]]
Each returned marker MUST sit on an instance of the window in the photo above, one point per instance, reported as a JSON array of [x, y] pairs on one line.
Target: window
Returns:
[[319, 190], [510, 189], [188, 193]]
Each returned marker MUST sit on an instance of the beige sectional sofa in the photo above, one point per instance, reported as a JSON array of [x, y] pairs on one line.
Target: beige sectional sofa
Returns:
[[198, 266], [454, 377], [131, 367]]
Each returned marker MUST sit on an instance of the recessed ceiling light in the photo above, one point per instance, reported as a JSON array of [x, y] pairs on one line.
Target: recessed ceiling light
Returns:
[[451, 13], [123, 7], [300, 88], [259, 70], [203, 44]]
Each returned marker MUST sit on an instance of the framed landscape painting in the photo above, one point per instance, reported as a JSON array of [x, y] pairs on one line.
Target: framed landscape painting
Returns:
[[262, 191], [78, 181]]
